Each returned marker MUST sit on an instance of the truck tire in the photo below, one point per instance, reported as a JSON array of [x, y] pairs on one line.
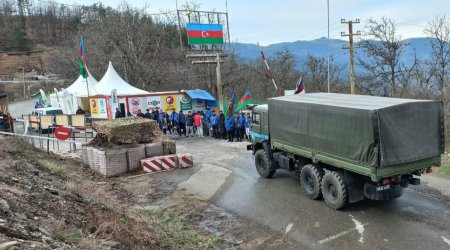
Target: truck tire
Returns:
[[334, 190], [264, 165], [310, 179]]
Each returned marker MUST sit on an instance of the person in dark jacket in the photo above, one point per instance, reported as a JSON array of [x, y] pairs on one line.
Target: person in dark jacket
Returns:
[[229, 126], [189, 124], [241, 126], [222, 129], [147, 114], [181, 123], [118, 113], [140, 114], [80, 111]]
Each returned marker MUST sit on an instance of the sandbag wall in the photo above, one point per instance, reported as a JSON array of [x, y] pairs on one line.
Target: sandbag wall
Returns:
[[120, 160]]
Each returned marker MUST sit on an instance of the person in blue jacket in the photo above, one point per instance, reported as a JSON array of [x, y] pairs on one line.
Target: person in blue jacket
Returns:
[[215, 125], [240, 127], [174, 119], [248, 123], [229, 126]]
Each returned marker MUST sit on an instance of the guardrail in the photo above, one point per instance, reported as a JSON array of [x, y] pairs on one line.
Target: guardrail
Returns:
[[33, 129]]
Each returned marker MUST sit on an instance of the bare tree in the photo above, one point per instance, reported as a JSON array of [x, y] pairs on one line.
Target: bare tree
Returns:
[[315, 70], [383, 48], [439, 30]]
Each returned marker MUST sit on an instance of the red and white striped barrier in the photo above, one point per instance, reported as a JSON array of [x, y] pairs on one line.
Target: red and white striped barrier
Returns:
[[185, 161], [155, 164], [169, 161]]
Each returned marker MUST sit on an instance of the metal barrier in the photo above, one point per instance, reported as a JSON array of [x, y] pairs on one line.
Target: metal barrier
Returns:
[[32, 130]]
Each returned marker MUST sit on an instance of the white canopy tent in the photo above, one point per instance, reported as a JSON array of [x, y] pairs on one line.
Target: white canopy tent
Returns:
[[111, 80], [81, 86], [70, 98]]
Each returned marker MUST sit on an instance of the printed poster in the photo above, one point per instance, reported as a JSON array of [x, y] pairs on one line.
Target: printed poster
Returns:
[[154, 102], [98, 108], [185, 102], [170, 103], [135, 104]]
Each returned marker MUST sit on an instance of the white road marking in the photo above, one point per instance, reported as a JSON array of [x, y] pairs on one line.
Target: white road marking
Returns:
[[289, 227], [360, 227], [446, 240], [333, 237]]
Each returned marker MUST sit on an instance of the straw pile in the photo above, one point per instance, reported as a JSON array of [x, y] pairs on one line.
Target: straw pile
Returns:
[[127, 131]]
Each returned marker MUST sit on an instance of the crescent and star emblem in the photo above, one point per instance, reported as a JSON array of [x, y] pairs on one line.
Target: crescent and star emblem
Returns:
[[205, 34]]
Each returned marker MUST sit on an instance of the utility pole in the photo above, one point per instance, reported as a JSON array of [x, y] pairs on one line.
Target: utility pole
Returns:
[[204, 59], [350, 46]]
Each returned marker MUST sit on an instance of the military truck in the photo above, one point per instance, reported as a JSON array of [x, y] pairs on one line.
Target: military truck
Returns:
[[346, 148]]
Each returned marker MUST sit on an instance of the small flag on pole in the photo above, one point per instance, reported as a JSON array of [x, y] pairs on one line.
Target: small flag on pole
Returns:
[[299, 88], [231, 104], [82, 59], [245, 100]]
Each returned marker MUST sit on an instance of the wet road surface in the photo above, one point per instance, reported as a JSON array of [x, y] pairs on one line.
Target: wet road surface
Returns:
[[420, 219]]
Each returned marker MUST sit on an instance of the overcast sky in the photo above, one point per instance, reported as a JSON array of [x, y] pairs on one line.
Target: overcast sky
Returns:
[[275, 21]]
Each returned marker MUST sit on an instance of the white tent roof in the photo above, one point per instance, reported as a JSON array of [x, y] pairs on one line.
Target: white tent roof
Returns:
[[79, 87], [111, 80]]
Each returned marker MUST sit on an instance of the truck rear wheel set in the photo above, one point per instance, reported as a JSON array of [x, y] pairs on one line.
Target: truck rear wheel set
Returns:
[[310, 179]]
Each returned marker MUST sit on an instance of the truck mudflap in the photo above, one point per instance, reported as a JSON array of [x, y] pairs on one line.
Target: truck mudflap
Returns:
[[250, 147], [385, 192]]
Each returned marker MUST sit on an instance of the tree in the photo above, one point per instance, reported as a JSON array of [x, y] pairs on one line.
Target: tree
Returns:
[[439, 30], [383, 48], [315, 70]]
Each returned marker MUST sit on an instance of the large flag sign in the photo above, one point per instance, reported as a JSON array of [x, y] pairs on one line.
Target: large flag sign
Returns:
[[204, 33], [245, 100], [82, 59], [299, 88]]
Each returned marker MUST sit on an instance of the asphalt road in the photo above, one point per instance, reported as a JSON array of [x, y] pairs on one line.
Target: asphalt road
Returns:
[[420, 219], [18, 108]]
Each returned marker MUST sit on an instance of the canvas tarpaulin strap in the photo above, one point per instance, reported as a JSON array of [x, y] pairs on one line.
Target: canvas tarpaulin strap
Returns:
[[366, 130]]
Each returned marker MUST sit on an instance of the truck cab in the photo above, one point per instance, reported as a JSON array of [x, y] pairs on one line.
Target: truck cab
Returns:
[[259, 129]]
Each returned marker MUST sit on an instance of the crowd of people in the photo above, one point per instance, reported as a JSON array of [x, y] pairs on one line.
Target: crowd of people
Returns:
[[200, 123]]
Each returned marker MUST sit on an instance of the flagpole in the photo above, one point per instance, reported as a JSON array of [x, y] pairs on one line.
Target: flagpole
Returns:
[[269, 70]]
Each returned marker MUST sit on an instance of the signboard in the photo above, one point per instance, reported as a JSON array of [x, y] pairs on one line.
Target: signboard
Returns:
[[198, 104], [114, 101], [98, 108], [135, 104], [170, 103], [185, 102], [153, 102], [62, 133]]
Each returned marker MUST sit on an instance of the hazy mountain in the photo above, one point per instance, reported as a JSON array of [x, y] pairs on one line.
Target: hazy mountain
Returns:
[[318, 47]]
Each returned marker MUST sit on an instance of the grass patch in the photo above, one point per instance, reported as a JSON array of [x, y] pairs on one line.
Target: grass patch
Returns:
[[445, 170], [72, 235]]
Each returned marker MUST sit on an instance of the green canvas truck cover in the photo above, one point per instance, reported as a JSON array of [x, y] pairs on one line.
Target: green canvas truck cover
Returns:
[[368, 130]]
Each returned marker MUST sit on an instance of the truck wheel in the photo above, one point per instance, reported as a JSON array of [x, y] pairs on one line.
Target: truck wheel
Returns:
[[310, 179], [334, 190], [264, 165]]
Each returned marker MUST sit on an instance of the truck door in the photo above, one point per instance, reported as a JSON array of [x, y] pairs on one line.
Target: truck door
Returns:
[[256, 120]]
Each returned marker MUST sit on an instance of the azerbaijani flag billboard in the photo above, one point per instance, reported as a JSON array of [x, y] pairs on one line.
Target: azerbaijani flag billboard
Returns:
[[204, 33]]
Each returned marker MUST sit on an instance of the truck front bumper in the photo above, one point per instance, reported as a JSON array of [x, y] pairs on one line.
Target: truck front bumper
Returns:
[[386, 192]]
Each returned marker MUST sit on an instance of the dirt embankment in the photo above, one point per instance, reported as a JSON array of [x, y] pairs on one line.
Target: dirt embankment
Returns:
[[49, 202]]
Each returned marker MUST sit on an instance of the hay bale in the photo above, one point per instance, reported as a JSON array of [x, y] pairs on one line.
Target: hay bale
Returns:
[[127, 131]]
